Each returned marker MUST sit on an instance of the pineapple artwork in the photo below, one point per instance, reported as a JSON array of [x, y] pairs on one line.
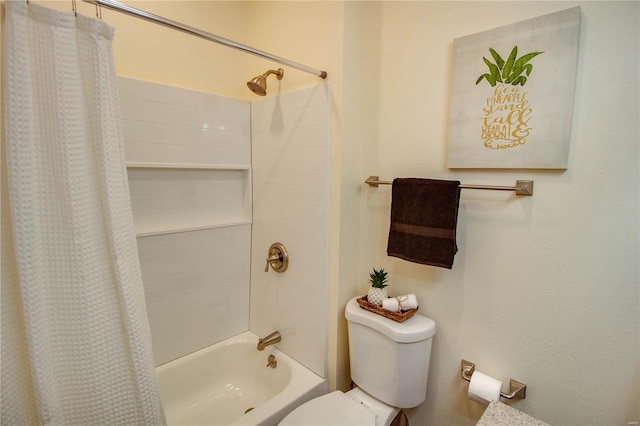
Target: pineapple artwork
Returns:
[[511, 94], [506, 115]]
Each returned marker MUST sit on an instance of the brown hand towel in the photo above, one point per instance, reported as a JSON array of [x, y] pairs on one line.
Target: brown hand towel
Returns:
[[424, 213]]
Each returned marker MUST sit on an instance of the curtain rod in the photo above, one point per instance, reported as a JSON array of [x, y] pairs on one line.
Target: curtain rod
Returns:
[[119, 7], [522, 187]]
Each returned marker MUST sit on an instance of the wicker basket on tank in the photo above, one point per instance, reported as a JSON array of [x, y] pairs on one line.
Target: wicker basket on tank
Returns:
[[396, 316]]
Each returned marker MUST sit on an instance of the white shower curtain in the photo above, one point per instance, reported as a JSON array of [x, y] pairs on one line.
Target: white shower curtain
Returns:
[[76, 348]]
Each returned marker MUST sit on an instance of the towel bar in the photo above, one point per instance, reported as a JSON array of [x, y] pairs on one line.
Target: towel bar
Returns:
[[522, 187], [517, 390]]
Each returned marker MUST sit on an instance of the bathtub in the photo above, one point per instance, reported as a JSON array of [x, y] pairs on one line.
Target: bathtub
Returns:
[[229, 383]]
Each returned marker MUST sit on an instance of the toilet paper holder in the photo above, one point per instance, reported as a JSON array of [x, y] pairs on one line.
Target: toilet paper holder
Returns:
[[517, 390]]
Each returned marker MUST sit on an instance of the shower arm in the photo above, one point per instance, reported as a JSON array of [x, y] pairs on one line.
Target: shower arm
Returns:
[[277, 73], [119, 7]]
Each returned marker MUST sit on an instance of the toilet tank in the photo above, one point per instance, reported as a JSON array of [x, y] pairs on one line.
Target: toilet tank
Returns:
[[390, 360]]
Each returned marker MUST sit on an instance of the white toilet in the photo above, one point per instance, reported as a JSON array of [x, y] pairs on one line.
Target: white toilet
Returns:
[[389, 364]]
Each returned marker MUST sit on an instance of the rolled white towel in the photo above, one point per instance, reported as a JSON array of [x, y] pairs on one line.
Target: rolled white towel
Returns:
[[410, 301], [391, 304], [400, 303]]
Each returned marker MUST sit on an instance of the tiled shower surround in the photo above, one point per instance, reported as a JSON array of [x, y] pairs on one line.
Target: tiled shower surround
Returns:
[[214, 181], [290, 156]]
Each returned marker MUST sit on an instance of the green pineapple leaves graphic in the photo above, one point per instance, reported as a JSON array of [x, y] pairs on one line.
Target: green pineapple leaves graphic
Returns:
[[510, 71]]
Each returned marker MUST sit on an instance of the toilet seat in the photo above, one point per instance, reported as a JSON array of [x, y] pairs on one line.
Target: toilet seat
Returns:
[[333, 409]]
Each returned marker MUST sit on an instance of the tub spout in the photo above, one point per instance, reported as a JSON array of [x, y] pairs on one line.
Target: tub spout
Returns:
[[271, 339]]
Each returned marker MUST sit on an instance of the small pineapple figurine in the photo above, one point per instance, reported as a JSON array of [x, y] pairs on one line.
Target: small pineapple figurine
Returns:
[[378, 289]]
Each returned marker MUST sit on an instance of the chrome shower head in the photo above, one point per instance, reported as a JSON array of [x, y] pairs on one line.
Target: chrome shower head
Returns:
[[258, 85]]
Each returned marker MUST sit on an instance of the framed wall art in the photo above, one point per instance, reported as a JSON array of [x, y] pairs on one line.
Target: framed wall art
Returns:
[[512, 94]]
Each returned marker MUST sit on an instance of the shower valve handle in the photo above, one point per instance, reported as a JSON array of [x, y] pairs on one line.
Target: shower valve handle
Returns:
[[277, 257], [273, 258]]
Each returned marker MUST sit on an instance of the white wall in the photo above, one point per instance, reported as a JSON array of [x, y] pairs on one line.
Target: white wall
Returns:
[[151, 52], [192, 212], [544, 289], [290, 150]]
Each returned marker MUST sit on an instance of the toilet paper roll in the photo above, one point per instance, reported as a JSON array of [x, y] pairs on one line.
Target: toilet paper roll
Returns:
[[483, 388]]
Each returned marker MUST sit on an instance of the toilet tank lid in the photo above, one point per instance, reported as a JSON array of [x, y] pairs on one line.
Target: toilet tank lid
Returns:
[[414, 329]]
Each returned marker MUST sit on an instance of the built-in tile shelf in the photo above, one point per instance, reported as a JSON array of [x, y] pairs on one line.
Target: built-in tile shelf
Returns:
[[172, 230], [174, 197], [188, 159], [133, 165]]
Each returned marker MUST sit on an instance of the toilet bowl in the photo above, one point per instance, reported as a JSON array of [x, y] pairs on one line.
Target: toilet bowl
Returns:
[[389, 364]]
